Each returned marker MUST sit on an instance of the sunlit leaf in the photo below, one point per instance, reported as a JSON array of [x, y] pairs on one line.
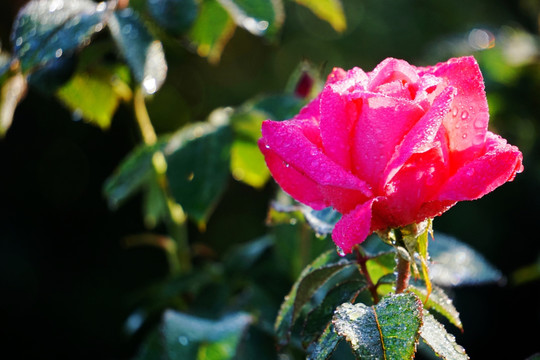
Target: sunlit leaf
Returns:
[[311, 279], [438, 301], [198, 159], [328, 10], [174, 15], [143, 53], [48, 29], [212, 30], [443, 344], [454, 263], [388, 330], [13, 90], [257, 17], [92, 97]]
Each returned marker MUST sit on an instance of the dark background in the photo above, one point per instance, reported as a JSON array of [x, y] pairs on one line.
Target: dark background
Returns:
[[66, 280]]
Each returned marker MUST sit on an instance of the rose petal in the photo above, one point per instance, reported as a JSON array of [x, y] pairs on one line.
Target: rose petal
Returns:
[[421, 137], [288, 140], [378, 132], [498, 164], [292, 181], [395, 78], [353, 227], [467, 123]]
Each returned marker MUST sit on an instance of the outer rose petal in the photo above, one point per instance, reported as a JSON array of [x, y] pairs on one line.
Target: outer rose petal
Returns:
[[498, 164], [467, 123], [292, 181], [288, 140], [354, 227]]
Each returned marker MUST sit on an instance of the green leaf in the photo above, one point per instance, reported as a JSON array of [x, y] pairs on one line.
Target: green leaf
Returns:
[[321, 316], [323, 348], [132, 174], [310, 280], [183, 336], [280, 107], [454, 263], [198, 159], [174, 15], [92, 96], [13, 91], [47, 29], [142, 52], [438, 301], [211, 31], [388, 330], [247, 164], [321, 221], [328, 10], [444, 344], [257, 17]]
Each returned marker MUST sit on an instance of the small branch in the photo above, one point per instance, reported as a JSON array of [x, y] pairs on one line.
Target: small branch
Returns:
[[403, 269], [143, 119], [362, 259]]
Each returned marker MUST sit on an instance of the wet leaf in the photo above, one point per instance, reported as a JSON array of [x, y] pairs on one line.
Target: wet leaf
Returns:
[[388, 330], [258, 17], [212, 30], [312, 278], [328, 10], [321, 221], [438, 301], [198, 159], [45, 30], [183, 336], [443, 344], [13, 91], [323, 348], [174, 15], [454, 263], [321, 316], [142, 52]]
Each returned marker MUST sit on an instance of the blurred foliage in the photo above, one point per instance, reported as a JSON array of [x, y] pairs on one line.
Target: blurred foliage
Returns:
[[151, 216]]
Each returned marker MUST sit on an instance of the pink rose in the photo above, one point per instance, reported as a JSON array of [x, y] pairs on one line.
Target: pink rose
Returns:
[[392, 147]]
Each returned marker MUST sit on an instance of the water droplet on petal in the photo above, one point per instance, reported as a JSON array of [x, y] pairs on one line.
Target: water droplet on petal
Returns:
[[464, 136], [470, 172], [454, 111], [464, 114], [340, 251], [267, 146]]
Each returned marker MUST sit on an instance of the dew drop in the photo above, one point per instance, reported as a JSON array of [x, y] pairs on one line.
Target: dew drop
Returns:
[[126, 29], [150, 85], [454, 111], [340, 251], [19, 41], [464, 136], [58, 53], [183, 340], [470, 172], [464, 115], [267, 146], [101, 6], [286, 164]]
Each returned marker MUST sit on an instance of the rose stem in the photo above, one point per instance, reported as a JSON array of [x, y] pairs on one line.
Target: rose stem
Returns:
[[362, 259], [403, 269]]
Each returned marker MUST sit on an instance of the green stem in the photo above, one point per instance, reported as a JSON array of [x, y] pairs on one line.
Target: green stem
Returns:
[[176, 219]]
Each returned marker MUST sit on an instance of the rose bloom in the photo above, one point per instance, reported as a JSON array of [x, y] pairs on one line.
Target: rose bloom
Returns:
[[392, 147]]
